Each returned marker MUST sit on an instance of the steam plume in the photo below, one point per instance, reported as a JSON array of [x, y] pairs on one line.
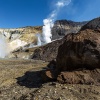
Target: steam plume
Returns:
[[3, 46], [48, 23], [7, 47]]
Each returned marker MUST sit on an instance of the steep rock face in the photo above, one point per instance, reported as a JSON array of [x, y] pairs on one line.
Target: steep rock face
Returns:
[[63, 27], [19, 37], [81, 49], [22, 33]]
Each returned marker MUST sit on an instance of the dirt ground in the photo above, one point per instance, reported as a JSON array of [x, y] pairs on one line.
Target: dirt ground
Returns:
[[21, 80]]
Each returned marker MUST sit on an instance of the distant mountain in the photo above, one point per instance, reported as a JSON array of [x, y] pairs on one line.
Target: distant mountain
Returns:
[[93, 24], [63, 27]]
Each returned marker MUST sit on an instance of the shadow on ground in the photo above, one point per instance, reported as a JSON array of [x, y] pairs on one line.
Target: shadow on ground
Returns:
[[35, 79], [31, 79]]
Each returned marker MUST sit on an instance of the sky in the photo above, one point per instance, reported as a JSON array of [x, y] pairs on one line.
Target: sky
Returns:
[[21, 13]]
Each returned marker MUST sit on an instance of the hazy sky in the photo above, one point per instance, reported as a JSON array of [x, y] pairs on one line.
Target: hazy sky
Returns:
[[20, 13]]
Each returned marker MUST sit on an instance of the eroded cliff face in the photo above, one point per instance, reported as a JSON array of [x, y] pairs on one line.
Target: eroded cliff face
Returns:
[[19, 37], [26, 34]]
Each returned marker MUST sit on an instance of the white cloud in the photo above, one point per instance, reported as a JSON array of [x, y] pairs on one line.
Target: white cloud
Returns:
[[60, 4]]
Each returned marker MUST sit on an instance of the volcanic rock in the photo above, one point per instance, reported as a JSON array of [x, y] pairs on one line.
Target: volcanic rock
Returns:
[[78, 52], [47, 52], [81, 50], [80, 77]]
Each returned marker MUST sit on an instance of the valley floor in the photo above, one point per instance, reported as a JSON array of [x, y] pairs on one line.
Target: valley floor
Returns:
[[21, 80]]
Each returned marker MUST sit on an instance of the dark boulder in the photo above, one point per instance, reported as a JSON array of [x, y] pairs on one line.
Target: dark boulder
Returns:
[[47, 52], [81, 50], [78, 59]]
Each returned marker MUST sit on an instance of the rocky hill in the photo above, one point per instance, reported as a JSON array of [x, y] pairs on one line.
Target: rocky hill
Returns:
[[60, 29], [26, 34], [63, 27]]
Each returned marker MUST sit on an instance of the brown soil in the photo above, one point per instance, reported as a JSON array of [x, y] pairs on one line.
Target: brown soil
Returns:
[[21, 80]]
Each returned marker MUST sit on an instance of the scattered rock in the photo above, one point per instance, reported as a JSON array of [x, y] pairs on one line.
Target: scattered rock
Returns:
[[88, 77]]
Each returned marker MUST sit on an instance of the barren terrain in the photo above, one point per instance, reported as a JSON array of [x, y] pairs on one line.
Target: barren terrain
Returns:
[[21, 80]]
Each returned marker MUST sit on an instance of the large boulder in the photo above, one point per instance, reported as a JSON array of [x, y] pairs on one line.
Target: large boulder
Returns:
[[81, 50], [78, 59]]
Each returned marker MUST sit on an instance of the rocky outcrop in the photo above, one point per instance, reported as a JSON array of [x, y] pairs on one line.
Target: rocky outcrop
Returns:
[[48, 52], [78, 59], [63, 27], [12, 39], [80, 50]]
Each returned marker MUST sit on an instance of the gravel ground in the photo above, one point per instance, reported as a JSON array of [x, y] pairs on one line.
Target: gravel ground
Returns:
[[20, 80]]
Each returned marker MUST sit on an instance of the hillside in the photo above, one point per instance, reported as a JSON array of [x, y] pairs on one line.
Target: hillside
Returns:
[[63, 27], [59, 30]]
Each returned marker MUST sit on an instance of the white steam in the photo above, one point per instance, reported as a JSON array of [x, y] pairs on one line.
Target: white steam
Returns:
[[3, 46], [48, 23], [38, 39], [46, 35], [6, 47]]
